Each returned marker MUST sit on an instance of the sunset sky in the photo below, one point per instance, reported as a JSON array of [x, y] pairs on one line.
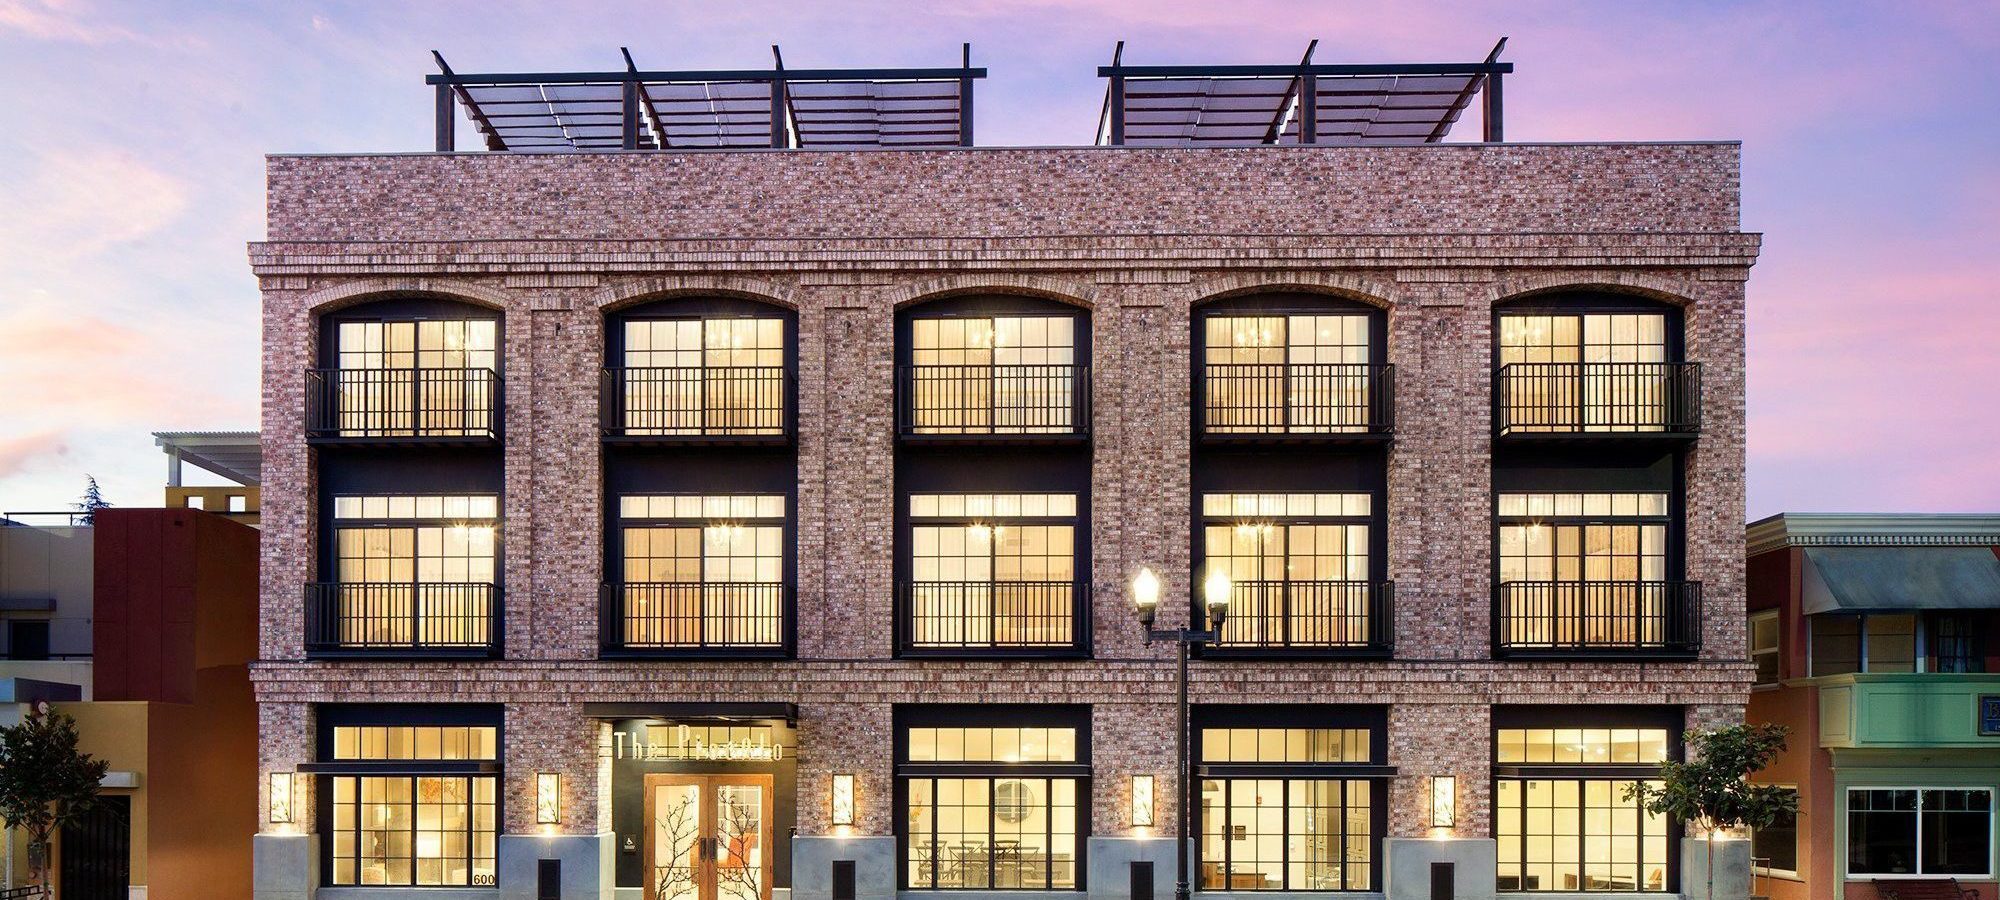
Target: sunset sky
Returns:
[[131, 176]]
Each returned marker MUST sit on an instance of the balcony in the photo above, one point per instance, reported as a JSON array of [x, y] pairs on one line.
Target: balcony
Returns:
[[1597, 401], [391, 406], [1612, 619], [697, 405], [1909, 711], [402, 619], [993, 618], [1330, 618], [991, 403], [717, 619], [1280, 403]]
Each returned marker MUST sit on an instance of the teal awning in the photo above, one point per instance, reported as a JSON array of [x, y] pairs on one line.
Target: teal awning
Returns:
[[1899, 579]]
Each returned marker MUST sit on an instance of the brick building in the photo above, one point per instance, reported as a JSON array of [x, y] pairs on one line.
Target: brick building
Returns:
[[711, 509]]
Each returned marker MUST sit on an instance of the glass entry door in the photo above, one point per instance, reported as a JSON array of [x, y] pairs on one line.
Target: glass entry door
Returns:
[[708, 837]]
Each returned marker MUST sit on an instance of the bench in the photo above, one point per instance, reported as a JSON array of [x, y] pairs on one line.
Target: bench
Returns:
[[1924, 889]]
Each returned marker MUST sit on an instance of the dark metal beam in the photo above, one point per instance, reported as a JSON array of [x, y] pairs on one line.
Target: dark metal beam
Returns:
[[646, 98], [780, 106], [701, 75], [965, 98], [1493, 114], [1115, 100], [1295, 88], [1115, 71]]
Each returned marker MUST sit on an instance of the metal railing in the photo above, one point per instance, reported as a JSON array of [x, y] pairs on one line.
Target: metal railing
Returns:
[[401, 616], [402, 403], [1297, 399], [1597, 398], [993, 400], [696, 402], [955, 615], [1591, 616], [1329, 615], [693, 616]]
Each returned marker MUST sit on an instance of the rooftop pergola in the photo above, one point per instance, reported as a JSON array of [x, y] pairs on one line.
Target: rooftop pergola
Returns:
[[235, 455], [643, 109], [1302, 103]]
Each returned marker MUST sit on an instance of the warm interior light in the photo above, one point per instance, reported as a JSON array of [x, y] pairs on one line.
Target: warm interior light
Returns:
[[281, 798], [1142, 801], [843, 799], [1444, 801], [548, 798]]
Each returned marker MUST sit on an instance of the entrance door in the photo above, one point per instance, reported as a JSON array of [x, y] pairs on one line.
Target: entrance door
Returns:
[[97, 852], [708, 837]]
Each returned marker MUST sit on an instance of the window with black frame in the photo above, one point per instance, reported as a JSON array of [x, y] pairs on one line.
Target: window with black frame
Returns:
[[1775, 847], [411, 572], [1568, 371], [994, 373], [434, 376], [1272, 372], [1291, 797], [993, 797], [701, 571], [992, 571], [1299, 568], [1589, 570], [701, 376], [412, 795], [1562, 820]]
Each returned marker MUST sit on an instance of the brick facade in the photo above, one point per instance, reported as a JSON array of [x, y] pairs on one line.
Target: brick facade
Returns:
[[1436, 235]]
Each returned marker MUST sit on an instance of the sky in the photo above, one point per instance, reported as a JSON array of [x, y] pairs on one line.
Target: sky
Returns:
[[131, 176]]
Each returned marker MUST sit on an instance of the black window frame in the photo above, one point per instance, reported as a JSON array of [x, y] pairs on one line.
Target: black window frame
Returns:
[[1784, 831], [412, 307], [1919, 813], [614, 566], [325, 768], [992, 305], [1579, 303], [1287, 303], [699, 307], [40, 648], [1671, 719]]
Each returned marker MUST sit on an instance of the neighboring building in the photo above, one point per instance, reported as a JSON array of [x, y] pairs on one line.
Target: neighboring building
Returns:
[[754, 516], [234, 455], [1874, 638]]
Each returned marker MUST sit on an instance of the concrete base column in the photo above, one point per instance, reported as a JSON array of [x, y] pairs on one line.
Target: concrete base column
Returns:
[[1407, 867], [587, 871], [1110, 867], [874, 861], [1732, 869], [283, 866]]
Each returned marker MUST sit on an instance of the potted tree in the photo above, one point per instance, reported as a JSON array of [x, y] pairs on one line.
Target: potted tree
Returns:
[[45, 781], [1711, 791]]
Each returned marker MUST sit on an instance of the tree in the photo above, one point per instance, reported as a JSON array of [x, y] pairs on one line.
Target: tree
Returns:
[[45, 782], [1712, 790], [92, 501]]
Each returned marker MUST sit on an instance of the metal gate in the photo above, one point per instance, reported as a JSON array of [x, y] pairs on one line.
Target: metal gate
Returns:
[[97, 854]]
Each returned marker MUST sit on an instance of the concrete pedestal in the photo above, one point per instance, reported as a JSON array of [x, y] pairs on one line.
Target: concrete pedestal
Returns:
[[587, 871], [283, 866], [1732, 869], [874, 861], [1407, 867], [1110, 866]]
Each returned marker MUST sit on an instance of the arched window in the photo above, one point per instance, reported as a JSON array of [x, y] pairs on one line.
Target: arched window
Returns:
[[696, 369], [1592, 364], [406, 368], [1291, 365], [993, 367]]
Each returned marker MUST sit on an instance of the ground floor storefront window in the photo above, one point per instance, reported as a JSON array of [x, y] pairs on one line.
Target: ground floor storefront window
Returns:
[[993, 796], [1562, 820], [1919, 832], [1289, 801], [413, 795]]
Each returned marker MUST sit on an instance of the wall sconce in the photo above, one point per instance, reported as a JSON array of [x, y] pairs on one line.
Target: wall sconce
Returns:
[[281, 798], [1444, 801], [843, 799], [1142, 801], [548, 798]]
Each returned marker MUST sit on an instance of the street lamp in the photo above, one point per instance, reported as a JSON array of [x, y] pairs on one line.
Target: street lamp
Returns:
[[1215, 590]]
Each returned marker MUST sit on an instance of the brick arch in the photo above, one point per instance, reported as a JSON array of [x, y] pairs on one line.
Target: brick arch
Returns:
[[1353, 287], [351, 293], [632, 292], [1652, 287], [1062, 290]]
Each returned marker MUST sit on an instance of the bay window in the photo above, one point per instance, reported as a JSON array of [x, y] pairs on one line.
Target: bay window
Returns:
[[993, 798], [1919, 832], [1846, 643]]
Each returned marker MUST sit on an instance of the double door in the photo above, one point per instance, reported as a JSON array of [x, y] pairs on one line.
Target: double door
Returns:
[[708, 837]]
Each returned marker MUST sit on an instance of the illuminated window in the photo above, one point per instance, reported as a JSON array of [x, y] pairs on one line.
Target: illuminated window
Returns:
[[1592, 371], [1764, 646], [1297, 564], [412, 827], [703, 570], [1285, 745], [718, 376], [1557, 832], [1308, 825], [992, 570], [993, 375], [1580, 569], [1000, 819], [1297, 373], [433, 377], [415, 742], [977, 744], [414, 570], [1617, 746]]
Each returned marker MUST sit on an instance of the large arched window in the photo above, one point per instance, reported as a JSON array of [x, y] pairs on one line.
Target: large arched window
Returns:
[[993, 367], [1592, 364], [406, 368], [700, 369], [1293, 366]]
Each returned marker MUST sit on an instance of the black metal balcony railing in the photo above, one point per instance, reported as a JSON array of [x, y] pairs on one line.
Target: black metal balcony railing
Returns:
[[697, 402], [1597, 616], [402, 403], [1632, 399], [1310, 615], [693, 616], [992, 615], [1320, 399], [988, 401], [402, 617]]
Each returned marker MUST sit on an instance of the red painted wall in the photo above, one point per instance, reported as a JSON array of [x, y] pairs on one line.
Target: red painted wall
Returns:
[[176, 591]]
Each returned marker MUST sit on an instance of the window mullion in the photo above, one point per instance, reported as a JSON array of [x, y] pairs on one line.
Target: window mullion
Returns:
[[1284, 833]]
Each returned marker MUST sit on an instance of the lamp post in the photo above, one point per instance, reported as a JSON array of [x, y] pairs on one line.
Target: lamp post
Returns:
[[1146, 603]]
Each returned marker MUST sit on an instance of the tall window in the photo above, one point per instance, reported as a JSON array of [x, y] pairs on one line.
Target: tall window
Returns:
[[1291, 815], [702, 571], [993, 375], [403, 813], [1561, 832], [704, 376], [1298, 563], [1584, 371], [413, 570], [994, 806], [432, 377], [1919, 831], [1776, 846], [1296, 373], [1956, 642], [992, 570], [1764, 646], [1584, 569]]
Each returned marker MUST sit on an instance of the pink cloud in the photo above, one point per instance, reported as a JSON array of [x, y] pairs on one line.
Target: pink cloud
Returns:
[[17, 453]]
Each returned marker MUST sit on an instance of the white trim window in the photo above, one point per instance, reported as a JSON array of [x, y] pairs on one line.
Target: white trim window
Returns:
[[1909, 832], [1764, 644]]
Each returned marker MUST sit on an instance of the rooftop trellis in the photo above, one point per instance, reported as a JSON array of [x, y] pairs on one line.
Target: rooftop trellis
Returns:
[[1234, 106], [635, 109]]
